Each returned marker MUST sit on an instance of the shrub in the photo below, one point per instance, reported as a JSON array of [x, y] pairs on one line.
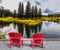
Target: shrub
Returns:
[[2, 36]]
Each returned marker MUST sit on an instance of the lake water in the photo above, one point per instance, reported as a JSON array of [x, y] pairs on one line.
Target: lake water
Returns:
[[50, 29]]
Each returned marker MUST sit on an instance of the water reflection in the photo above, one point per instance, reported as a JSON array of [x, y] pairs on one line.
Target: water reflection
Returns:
[[50, 29]]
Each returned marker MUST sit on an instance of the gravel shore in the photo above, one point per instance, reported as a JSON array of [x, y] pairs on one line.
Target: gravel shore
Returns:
[[48, 45]]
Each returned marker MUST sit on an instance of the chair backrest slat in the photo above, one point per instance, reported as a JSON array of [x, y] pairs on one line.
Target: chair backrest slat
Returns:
[[38, 35], [15, 35]]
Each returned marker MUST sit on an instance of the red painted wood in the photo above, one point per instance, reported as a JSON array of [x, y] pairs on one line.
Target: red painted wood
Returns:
[[15, 38], [38, 39]]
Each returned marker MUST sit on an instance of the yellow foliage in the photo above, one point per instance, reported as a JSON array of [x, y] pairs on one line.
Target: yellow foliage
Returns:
[[30, 22], [2, 36]]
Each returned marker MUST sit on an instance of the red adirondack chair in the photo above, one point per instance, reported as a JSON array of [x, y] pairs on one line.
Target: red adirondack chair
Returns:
[[15, 38], [38, 39]]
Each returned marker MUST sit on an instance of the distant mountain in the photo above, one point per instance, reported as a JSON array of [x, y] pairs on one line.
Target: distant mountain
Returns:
[[50, 11]]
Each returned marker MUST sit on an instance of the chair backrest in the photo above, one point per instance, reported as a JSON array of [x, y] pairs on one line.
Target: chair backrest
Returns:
[[41, 35], [15, 35]]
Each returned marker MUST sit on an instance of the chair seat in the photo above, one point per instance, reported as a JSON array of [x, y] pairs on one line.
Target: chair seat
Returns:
[[14, 38], [15, 41]]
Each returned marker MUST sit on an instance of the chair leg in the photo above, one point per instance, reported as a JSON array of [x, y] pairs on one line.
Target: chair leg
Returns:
[[32, 42], [20, 44], [42, 44], [32, 46], [10, 45]]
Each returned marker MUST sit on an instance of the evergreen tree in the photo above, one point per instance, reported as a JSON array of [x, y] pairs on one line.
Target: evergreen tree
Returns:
[[27, 12], [6, 13], [2, 10], [11, 14], [19, 10], [32, 13], [14, 14], [39, 13], [36, 12], [22, 10]]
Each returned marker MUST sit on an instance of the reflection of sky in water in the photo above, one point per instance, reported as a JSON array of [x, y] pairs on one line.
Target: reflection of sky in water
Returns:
[[47, 23], [50, 29]]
